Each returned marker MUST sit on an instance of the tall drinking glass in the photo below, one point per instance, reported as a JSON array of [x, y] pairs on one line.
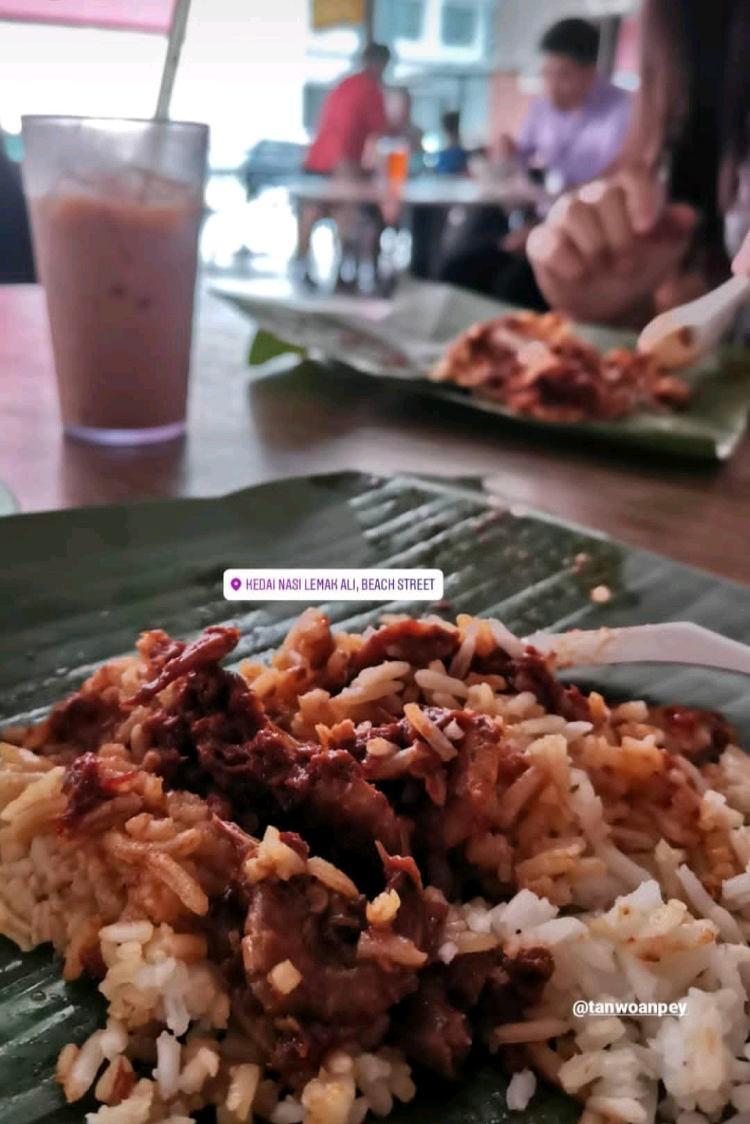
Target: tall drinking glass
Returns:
[[115, 210], [396, 159]]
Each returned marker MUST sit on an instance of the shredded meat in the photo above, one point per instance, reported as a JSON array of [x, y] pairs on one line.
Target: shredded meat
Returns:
[[285, 922], [530, 672], [420, 917], [473, 781], [212, 645], [299, 1051], [85, 719], [417, 642], [215, 733], [431, 1030], [335, 791], [535, 365], [156, 647], [433, 1025], [86, 789], [359, 981], [448, 802], [231, 714], [699, 735], [326, 788], [529, 971], [466, 977]]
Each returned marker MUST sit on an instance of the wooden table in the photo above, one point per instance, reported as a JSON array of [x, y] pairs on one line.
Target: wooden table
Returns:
[[246, 428]]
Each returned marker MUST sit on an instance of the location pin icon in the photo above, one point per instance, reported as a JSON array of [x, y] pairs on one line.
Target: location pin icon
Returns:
[[235, 584]]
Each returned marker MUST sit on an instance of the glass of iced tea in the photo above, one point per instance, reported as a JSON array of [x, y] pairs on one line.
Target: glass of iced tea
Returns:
[[397, 156], [116, 207]]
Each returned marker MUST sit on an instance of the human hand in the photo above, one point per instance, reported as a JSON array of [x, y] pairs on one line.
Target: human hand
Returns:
[[604, 249], [505, 147], [515, 241], [741, 264]]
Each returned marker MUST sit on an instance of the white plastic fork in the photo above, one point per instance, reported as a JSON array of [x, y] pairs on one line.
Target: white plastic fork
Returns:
[[683, 335], [679, 642]]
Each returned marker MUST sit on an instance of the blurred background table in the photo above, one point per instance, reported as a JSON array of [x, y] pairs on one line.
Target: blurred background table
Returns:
[[422, 191], [423, 205], [249, 426]]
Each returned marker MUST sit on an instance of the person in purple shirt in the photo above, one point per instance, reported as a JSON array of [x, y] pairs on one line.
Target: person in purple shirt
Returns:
[[659, 229], [572, 134], [576, 130]]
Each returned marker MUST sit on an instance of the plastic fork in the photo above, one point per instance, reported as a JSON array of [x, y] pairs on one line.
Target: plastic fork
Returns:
[[685, 334], [679, 642]]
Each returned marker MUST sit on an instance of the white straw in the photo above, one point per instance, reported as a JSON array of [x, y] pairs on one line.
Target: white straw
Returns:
[[172, 58]]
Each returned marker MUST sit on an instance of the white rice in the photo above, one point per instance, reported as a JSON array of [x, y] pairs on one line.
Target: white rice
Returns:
[[521, 1089], [375, 683], [736, 891], [288, 1111], [505, 639], [705, 906], [167, 1072], [461, 662], [435, 681], [644, 948]]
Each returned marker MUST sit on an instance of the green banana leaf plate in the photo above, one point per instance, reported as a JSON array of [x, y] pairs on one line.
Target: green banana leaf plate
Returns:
[[77, 587], [403, 339]]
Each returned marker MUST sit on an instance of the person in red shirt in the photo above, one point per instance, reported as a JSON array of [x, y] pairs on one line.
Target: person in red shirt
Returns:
[[353, 112]]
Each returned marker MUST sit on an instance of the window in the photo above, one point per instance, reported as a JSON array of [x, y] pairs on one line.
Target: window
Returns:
[[313, 96], [398, 19], [458, 25]]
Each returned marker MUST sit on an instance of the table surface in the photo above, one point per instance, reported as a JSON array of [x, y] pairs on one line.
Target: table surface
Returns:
[[246, 427], [426, 191]]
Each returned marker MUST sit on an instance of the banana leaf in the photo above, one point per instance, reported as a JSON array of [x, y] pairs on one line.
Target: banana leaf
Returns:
[[402, 341], [78, 586]]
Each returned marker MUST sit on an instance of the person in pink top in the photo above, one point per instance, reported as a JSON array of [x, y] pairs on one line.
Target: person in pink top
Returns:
[[353, 112]]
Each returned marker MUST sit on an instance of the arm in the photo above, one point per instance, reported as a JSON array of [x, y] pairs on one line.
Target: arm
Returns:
[[375, 115], [370, 153], [522, 148]]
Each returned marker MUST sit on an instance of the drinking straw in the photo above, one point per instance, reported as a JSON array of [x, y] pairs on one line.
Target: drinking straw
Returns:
[[172, 58]]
